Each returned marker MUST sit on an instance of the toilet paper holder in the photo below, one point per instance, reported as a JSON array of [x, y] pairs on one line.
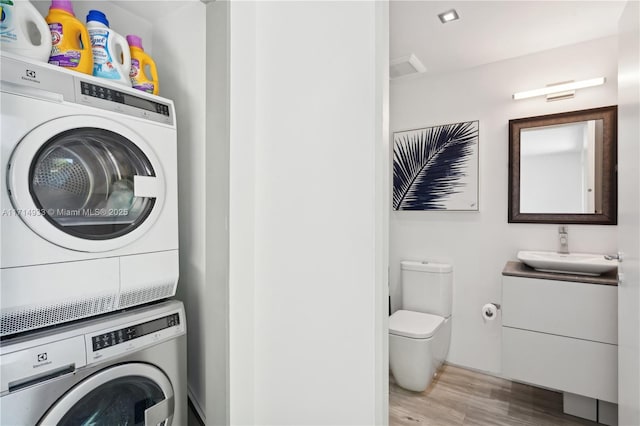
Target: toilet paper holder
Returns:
[[489, 311]]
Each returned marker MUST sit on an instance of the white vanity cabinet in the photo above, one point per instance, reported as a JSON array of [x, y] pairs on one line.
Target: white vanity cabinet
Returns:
[[561, 334]]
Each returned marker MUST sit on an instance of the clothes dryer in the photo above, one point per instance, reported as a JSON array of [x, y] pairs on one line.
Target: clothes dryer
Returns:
[[119, 369], [88, 202]]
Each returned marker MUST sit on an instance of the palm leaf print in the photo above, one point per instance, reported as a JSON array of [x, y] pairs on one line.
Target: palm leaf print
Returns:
[[428, 164]]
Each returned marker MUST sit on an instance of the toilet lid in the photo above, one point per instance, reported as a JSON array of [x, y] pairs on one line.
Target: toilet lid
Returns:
[[416, 325]]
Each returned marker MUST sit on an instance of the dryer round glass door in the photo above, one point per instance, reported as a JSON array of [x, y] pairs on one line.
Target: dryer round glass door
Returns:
[[133, 394], [84, 180], [90, 188]]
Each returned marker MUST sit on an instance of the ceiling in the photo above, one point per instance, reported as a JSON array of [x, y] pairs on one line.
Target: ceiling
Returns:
[[490, 31]]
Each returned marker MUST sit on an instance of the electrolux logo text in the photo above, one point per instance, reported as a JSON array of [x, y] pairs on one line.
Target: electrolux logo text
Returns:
[[30, 75], [42, 359]]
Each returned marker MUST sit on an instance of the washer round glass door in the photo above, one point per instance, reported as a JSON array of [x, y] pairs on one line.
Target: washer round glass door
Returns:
[[91, 188], [133, 394]]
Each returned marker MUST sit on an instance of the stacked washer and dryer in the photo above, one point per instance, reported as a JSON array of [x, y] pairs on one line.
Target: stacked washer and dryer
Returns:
[[88, 252]]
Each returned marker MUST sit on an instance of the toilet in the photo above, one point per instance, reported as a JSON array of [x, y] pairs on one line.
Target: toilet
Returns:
[[420, 333]]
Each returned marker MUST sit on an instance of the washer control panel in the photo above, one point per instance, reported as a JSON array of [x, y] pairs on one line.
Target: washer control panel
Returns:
[[119, 340], [136, 331], [42, 355]]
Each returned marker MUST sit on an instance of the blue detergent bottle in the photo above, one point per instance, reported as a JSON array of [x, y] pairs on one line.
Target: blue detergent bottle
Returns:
[[111, 54]]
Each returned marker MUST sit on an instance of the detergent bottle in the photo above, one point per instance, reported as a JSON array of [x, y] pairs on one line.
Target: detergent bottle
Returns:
[[111, 55], [70, 42], [139, 60], [17, 17]]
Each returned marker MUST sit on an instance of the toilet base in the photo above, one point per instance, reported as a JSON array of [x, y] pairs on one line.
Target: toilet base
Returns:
[[415, 362], [411, 362]]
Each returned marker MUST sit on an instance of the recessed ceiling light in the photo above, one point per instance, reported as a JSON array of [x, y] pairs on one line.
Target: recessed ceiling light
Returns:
[[448, 16]]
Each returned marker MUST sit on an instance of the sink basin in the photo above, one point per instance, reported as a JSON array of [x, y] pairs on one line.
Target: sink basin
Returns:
[[572, 263]]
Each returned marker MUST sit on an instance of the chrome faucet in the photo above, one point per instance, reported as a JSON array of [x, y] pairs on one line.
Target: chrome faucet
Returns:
[[563, 233]]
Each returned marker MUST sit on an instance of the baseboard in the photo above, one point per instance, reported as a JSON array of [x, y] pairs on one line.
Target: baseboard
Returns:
[[477, 370]]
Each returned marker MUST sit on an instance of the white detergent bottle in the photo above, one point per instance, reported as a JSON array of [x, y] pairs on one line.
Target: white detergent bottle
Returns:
[[111, 55], [23, 30]]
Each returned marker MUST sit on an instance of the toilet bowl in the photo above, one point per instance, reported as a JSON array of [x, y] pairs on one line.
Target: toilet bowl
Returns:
[[420, 333], [418, 346]]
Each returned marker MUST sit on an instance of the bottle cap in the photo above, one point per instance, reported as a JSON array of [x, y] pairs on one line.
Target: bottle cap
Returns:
[[96, 15], [134, 41], [63, 5]]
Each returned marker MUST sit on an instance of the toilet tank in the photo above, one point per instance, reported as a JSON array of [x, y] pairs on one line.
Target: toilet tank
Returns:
[[427, 287]]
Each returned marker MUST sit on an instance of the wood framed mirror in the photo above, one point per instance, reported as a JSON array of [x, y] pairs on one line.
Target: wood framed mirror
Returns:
[[563, 168]]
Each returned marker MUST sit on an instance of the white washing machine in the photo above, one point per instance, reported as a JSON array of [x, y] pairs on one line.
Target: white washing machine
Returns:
[[126, 368], [88, 203]]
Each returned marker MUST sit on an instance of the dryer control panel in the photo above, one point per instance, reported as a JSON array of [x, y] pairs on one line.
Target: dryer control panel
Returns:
[[112, 99], [52, 83]]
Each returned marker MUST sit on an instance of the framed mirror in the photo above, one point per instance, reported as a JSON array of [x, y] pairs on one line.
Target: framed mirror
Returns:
[[563, 168]]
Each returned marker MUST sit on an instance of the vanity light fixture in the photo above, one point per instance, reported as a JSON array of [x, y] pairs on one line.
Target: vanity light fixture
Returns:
[[448, 16], [562, 90]]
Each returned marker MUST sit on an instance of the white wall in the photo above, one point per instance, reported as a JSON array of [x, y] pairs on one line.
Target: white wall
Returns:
[[479, 243], [382, 209], [242, 211], [182, 74], [629, 229], [216, 301], [306, 143]]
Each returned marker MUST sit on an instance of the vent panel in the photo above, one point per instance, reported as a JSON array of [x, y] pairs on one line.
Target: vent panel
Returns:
[[145, 295], [31, 318], [405, 66]]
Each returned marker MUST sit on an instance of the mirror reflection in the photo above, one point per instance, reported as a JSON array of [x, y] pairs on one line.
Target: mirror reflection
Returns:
[[561, 168]]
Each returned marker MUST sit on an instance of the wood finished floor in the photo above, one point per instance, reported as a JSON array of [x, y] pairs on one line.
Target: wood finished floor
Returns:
[[463, 397]]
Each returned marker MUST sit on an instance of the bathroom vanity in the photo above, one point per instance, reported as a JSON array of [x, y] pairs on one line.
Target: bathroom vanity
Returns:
[[560, 331]]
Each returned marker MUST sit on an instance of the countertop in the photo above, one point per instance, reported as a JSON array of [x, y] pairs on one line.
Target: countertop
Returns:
[[519, 269]]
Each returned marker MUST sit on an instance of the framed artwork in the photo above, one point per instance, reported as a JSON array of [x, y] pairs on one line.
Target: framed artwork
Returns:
[[436, 168]]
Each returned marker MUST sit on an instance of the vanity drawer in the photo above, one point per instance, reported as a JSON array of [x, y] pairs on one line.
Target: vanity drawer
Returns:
[[585, 311], [566, 364]]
